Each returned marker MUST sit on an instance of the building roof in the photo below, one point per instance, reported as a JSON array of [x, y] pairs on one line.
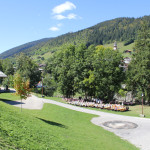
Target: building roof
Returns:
[[2, 75]]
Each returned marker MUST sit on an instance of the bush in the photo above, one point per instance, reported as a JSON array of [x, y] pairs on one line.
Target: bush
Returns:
[[49, 85], [8, 81]]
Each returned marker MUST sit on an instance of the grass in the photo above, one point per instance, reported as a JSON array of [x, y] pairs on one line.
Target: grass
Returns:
[[9, 96], [134, 111], [54, 127], [122, 48]]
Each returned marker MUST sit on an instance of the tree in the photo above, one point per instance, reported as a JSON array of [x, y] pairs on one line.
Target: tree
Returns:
[[66, 72], [7, 66], [8, 82], [22, 87], [108, 76], [92, 71], [27, 68], [8, 69], [122, 93], [139, 69], [49, 85], [83, 70]]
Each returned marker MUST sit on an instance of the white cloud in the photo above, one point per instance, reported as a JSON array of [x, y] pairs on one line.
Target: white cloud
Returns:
[[54, 28], [61, 17], [63, 7], [71, 16]]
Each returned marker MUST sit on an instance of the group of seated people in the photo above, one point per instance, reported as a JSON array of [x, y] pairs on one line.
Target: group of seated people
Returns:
[[94, 104]]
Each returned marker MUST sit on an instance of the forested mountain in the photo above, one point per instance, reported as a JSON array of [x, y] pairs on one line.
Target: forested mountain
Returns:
[[24, 48], [119, 29]]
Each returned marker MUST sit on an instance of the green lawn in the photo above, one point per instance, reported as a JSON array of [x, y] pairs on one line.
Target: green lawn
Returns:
[[9, 96], [133, 110], [54, 127]]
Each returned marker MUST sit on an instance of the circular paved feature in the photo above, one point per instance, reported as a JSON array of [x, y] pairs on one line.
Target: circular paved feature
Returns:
[[120, 125]]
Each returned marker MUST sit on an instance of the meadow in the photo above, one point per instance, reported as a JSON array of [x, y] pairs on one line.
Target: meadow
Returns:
[[134, 111], [121, 48], [53, 127]]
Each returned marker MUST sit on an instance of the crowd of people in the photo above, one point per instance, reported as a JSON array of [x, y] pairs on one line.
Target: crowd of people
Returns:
[[97, 104]]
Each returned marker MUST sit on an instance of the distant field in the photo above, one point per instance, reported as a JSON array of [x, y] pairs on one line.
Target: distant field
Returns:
[[122, 48], [54, 128]]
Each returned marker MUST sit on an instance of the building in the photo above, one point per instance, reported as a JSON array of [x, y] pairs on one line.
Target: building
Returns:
[[2, 75]]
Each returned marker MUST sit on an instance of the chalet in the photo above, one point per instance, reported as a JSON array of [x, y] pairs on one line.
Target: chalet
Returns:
[[2, 75], [41, 65], [128, 51], [127, 60]]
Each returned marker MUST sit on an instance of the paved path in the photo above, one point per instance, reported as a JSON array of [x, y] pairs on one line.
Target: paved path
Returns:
[[133, 129]]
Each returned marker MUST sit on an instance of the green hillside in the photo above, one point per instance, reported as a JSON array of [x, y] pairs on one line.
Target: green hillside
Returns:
[[122, 48], [119, 29], [24, 48]]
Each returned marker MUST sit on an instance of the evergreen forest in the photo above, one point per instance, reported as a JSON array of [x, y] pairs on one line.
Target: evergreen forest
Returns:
[[119, 29]]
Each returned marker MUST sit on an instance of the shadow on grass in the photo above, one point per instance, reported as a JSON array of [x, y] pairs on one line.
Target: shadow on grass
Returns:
[[11, 102], [53, 123], [7, 91]]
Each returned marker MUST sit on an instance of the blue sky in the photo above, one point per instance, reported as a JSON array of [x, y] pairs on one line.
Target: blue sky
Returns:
[[23, 21]]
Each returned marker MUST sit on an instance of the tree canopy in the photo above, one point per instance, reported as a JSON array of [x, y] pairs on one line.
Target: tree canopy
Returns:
[[93, 71], [138, 75], [28, 69]]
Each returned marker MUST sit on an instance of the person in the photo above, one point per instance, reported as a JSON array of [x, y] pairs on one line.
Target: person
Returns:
[[6, 87]]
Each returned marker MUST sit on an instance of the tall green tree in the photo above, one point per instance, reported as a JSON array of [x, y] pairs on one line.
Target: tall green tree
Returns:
[[49, 85], [67, 74], [107, 73], [92, 71], [139, 69], [28, 69], [83, 68], [8, 67]]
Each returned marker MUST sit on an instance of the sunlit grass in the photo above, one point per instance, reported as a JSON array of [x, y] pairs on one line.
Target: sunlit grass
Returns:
[[122, 48], [133, 110], [54, 127], [9, 96]]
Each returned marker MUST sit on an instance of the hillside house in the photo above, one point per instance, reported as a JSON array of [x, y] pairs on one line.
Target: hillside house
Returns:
[[2, 75], [128, 51]]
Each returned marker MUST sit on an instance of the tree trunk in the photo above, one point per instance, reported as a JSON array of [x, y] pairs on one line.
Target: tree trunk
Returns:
[[21, 104]]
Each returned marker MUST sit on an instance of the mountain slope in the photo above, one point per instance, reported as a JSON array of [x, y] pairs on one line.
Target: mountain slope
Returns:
[[120, 29], [23, 48]]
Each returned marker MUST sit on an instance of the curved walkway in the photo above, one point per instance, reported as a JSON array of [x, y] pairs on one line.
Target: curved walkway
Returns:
[[133, 129]]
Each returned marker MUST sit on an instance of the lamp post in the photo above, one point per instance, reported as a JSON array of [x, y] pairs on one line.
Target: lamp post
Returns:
[[142, 115], [142, 103], [42, 86]]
